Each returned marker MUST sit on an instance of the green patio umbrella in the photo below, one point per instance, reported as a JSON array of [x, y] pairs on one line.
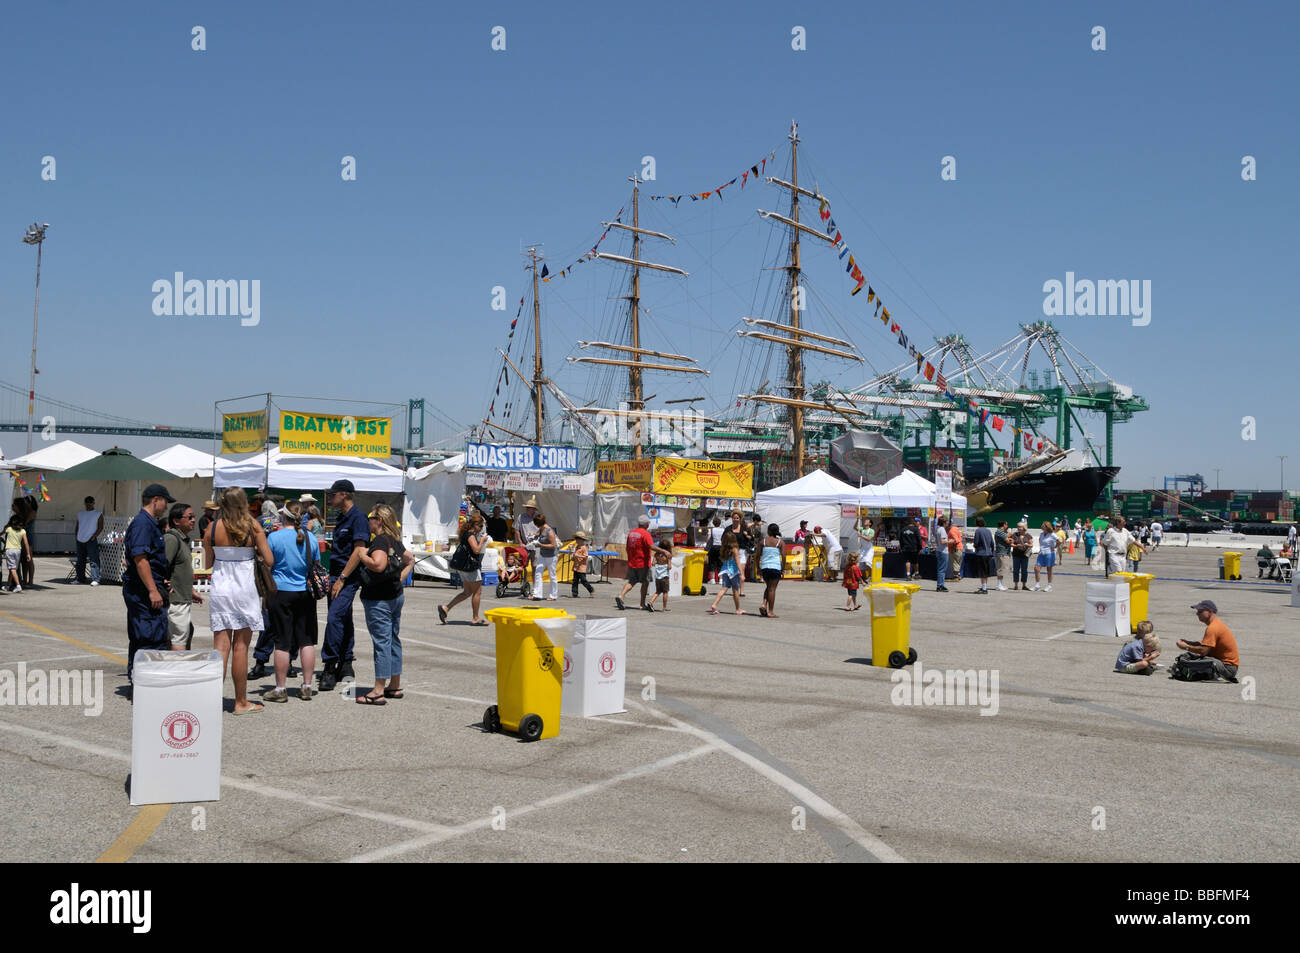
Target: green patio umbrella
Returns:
[[114, 466]]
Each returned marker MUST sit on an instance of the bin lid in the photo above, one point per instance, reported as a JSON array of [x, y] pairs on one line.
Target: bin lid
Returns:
[[155, 668], [901, 586], [524, 614]]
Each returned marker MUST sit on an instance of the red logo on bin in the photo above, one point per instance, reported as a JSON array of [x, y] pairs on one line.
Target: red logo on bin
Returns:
[[568, 665], [1123, 608], [607, 664], [180, 729], [1100, 607]]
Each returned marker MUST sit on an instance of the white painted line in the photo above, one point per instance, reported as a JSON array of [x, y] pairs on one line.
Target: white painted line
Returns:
[[242, 784], [1074, 631], [633, 724], [453, 698], [448, 648], [830, 812], [428, 840], [57, 658]]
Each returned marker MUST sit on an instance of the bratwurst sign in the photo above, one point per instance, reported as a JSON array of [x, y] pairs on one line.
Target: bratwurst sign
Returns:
[[329, 435], [521, 457]]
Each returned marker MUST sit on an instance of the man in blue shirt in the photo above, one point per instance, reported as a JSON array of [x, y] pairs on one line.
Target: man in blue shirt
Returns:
[[143, 586], [351, 536]]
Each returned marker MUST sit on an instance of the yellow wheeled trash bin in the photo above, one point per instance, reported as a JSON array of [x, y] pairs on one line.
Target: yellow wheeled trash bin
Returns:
[[891, 623], [693, 572], [878, 565], [1139, 596], [530, 673], [1231, 565]]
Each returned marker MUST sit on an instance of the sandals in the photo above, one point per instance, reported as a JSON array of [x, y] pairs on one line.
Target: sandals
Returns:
[[442, 615], [713, 611], [371, 700], [249, 711], [762, 610], [479, 622], [394, 693]]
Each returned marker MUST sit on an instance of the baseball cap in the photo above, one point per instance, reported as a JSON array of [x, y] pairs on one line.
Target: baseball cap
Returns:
[[342, 486], [157, 489], [1206, 604]]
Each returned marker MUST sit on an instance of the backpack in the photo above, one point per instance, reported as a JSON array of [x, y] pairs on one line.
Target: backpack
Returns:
[[1190, 667]]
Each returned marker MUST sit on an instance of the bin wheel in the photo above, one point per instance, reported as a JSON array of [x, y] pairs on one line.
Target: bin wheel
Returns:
[[530, 727], [897, 659], [491, 720], [911, 655]]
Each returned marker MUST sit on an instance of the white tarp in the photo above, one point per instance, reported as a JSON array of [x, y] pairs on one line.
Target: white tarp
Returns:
[[908, 489], [616, 515], [56, 458], [433, 495], [184, 461], [815, 497], [303, 471], [568, 510]]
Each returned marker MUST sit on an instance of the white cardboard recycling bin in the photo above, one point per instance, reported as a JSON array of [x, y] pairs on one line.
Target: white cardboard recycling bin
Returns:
[[1106, 609], [595, 663], [1295, 589], [176, 727], [675, 574]]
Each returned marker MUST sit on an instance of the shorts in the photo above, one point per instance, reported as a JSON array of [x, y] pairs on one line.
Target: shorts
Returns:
[[742, 557], [771, 575], [1047, 560], [661, 585], [729, 581], [853, 593], [11, 558], [293, 619], [638, 574], [178, 623], [1132, 669]]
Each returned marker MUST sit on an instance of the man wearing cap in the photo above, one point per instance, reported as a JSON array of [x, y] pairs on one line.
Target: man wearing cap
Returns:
[[143, 585], [1218, 642], [90, 523], [640, 546], [351, 535]]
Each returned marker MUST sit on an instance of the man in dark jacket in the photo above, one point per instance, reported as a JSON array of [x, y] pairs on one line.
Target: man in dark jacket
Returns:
[[909, 544]]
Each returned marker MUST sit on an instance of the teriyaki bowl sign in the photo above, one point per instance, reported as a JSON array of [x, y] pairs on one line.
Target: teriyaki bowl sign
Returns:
[[521, 457]]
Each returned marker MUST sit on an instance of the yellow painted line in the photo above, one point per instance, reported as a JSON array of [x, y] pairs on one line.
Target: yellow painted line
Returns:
[[136, 833], [151, 815], [65, 638]]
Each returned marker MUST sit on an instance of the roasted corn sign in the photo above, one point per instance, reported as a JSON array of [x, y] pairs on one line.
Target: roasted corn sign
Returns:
[[330, 435], [723, 478], [243, 433]]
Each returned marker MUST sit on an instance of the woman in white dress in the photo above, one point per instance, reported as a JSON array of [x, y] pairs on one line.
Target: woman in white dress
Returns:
[[234, 607]]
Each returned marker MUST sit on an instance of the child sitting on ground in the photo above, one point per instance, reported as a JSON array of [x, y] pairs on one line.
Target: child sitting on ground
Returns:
[[852, 580], [1139, 656], [660, 571], [729, 577]]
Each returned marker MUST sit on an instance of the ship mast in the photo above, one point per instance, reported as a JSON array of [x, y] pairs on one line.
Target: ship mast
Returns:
[[796, 354], [635, 364], [538, 379]]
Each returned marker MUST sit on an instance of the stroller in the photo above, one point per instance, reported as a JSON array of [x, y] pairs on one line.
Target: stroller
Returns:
[[516, 576]]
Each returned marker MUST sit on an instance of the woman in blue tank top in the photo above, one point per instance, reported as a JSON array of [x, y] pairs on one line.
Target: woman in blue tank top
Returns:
[[770, 560]]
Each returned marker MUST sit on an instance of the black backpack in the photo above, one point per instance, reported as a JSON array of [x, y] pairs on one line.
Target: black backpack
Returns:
[[1190, 667]]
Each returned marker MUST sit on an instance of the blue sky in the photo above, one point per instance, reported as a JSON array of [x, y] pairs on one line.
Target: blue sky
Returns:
[[226, 164]]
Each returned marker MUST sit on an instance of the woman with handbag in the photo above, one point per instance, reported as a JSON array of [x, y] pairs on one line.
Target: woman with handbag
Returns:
[[387, 564], [548, 548], [234, 607], [291, 608], [466, 561]]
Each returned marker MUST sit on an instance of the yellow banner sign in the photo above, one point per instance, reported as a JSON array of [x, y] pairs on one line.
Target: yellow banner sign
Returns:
[[243, 433], [723, 478], [615, 475], [329, 435]]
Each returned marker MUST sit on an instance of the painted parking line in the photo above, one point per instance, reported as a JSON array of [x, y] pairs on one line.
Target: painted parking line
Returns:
[[136, 833], [1075, 631], [63, 638], [483, 823], [37, 661]]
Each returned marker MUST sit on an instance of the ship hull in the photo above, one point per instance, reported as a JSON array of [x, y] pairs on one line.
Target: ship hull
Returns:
[[1072, 493]]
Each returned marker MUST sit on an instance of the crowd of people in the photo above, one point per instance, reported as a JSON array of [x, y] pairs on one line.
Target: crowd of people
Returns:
[[267, 577]]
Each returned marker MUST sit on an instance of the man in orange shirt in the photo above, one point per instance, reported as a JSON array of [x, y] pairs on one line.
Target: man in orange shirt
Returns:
[[956, 550], [1217, 643]]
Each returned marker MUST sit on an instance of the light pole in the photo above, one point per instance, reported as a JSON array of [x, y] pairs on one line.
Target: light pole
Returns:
[[35, 236], [1216, 476], [1282, 472]]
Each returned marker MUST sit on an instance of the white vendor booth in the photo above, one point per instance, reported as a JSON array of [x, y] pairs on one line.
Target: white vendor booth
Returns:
[[278, 469], [815, 497]]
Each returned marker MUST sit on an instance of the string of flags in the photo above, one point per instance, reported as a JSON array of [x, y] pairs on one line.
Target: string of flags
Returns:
[[41, 493], [546, 272], [967, 404], [755, 170]]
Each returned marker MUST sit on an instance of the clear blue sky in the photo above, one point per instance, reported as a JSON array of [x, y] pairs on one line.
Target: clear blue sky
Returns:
[[225, 164]]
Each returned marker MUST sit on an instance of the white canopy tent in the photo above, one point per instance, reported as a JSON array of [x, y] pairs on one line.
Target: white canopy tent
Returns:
[[184, 461], [297, 470], [433, 495], [815, 497], [908, 490], [55, 458]]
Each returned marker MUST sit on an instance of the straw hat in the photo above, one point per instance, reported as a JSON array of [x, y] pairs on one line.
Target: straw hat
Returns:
[[307, 498], [531, 501], [211, 505], [580, 535]]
